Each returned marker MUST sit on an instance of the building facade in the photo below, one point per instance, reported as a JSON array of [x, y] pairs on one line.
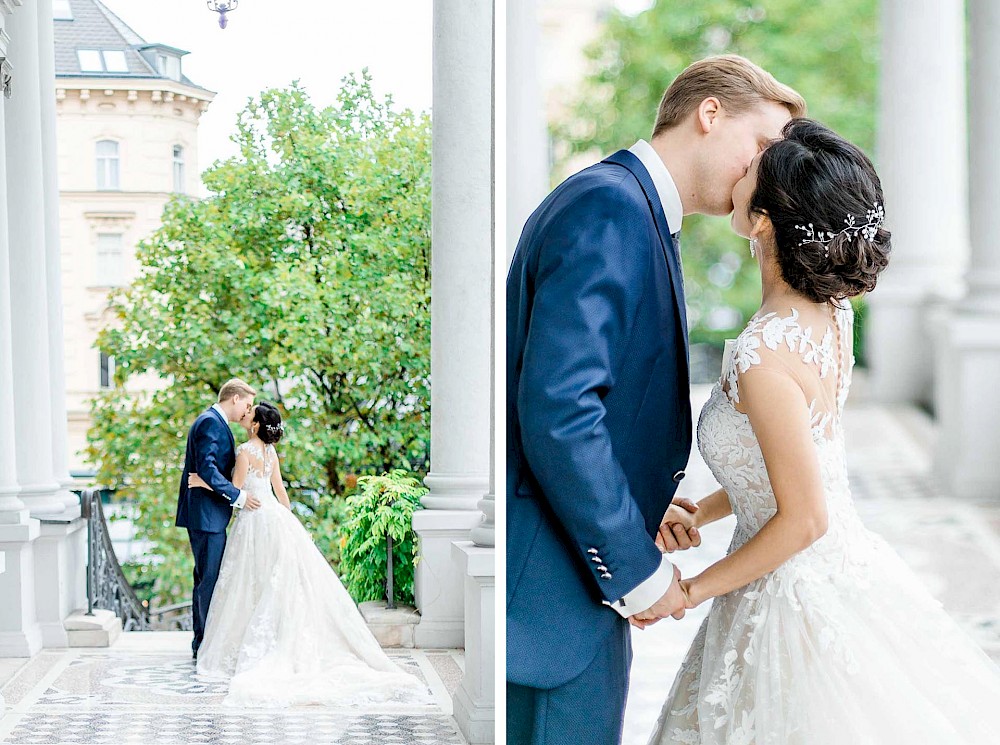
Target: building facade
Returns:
[[127, 130]]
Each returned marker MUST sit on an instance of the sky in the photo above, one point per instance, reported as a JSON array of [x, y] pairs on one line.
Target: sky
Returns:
[[270, 43]]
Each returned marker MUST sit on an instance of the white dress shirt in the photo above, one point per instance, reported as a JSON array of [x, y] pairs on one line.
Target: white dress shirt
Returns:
[[242, 498], [663, 182], [653, 588]]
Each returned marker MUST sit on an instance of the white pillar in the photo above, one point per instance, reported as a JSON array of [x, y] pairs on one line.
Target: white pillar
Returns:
[[968, 345], [473, 702], [29, 290], [12, 509], [528, 151], [53, 259], [20, 634], [922, 160], [461, 230]]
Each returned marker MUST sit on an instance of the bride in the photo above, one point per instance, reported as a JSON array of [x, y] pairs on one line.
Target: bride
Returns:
[[281, 626], [818, 633]]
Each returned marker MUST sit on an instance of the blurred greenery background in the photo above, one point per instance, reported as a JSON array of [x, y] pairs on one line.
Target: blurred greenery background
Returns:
[[828, 51]]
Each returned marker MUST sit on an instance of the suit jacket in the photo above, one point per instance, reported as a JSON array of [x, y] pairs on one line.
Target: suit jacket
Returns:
[[598, 413], [211, 453]]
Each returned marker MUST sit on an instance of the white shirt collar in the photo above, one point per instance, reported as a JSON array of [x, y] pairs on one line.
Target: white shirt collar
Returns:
[[219, 409], [663, 182]]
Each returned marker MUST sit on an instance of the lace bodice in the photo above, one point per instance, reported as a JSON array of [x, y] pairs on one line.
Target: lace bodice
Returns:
[[258, 481], [820, 361]]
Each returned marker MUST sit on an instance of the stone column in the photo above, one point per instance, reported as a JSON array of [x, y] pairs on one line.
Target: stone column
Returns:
[[528, 152], [460, 324], [53, 258], [20, 634], [61, 549], [922, 160], [968, 344], [473, 701], [29, 290]]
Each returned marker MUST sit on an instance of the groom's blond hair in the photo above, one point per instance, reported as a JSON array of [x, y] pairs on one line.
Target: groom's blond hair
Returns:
[[235, 387], [737, 82]]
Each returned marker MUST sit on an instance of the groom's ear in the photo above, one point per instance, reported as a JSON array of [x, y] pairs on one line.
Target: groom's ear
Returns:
[[707, 113]]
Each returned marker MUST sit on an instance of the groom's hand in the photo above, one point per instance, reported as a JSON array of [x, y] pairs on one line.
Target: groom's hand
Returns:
[[677, 529], [252, 503], [673, 603]]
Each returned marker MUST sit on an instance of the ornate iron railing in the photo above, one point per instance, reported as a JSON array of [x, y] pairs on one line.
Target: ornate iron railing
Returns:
[[107, 586]]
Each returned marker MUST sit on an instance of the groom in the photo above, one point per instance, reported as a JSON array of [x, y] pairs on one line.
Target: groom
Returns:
[[211, 453], [598, 412]]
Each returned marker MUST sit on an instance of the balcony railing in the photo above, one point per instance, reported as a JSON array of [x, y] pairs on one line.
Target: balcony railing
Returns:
[[107, 586]]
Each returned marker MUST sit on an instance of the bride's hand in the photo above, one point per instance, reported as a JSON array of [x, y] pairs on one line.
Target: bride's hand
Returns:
[[689, 602], [194, 480], [678, 529]]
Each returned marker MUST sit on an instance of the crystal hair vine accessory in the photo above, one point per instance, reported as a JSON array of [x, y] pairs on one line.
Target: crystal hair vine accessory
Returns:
[[868, 229], [274, 429]]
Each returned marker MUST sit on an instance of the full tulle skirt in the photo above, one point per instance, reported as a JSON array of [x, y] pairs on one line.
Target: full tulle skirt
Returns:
[[284, 631]]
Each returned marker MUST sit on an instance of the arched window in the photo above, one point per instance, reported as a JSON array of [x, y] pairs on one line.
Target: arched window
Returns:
[[179, 169], [107, 165]]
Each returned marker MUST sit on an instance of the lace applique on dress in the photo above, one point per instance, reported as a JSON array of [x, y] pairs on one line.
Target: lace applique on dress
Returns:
[[261, 459], [785, 336]]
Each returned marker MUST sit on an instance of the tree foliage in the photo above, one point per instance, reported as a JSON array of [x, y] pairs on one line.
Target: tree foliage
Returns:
[[826, 51], [305, 271]]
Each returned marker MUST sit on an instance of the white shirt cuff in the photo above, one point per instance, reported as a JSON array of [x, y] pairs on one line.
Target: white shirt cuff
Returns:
[[648, 592], [240, 500]]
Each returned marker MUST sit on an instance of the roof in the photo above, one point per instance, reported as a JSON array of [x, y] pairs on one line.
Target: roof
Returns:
[[94, 26]]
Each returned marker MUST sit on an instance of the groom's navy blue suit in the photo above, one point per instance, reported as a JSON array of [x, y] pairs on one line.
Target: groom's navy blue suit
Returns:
[[598, 435], [211, 453]]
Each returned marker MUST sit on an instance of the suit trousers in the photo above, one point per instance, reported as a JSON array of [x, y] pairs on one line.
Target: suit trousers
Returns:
[[588, 710], [207, 549]]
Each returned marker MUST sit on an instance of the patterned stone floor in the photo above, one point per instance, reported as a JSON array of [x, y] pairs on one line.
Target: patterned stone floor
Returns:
[[144, 690], [952, 544]]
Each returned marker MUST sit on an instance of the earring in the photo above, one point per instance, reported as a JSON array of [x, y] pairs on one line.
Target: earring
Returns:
[[753, 248]]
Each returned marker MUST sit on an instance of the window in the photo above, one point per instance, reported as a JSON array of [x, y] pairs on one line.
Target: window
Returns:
[[61, 10], [90, 60], [169, 66], [178, 169], [107, 369], [114, 61], [107, 165], [110, 260], [97, 60]]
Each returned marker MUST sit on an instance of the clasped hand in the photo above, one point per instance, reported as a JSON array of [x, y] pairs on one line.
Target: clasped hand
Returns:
[[677, 532]]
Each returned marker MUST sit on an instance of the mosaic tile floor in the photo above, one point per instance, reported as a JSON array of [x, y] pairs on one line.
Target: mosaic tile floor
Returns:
[[144, 690], [953, 545]]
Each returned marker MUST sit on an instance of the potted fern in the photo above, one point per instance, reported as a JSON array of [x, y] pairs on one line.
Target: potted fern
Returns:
[[379, 552]]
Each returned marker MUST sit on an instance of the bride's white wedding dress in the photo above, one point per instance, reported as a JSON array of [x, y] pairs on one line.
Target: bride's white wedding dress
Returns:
[[842, 644], [281, 626]]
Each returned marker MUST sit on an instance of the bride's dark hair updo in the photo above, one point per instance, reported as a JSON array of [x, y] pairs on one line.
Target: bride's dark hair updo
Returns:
[[267, 416], [810, 183]]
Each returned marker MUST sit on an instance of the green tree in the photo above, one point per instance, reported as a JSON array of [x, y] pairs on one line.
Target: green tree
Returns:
[[827, 51], [306, 271]]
